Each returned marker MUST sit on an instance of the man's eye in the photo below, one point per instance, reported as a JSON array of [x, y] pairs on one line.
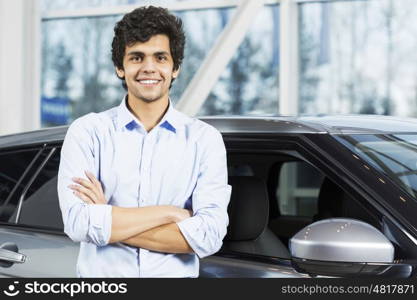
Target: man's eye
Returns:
[[135, 58], [162, 58]]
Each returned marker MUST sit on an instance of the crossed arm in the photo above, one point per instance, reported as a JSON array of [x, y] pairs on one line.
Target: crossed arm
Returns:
[[165, 229], [158, 230]]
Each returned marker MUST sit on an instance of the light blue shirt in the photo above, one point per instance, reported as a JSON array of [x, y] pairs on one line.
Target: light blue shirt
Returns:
[[180, 162]]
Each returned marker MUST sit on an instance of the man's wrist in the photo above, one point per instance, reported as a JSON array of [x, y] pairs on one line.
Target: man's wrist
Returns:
[[170, 214]]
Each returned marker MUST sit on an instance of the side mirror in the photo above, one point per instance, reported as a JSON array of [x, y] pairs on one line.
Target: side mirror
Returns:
[[344, 248]]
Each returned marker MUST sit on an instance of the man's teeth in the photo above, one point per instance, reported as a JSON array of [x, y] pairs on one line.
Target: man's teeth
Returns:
[[148, 81]]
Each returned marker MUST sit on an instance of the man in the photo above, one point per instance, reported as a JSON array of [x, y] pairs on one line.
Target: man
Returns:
[[142, 186]]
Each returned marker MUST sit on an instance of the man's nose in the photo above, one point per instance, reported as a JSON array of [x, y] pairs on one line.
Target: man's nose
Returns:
[[148, 65]]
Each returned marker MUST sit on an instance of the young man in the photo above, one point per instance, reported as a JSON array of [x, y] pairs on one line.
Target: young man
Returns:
[[142, 186]]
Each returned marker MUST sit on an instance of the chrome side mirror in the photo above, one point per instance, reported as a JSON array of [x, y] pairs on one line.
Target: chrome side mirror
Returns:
[[344, 247]]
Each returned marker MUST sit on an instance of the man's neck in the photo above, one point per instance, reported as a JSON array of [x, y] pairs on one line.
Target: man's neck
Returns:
[[148, 113]]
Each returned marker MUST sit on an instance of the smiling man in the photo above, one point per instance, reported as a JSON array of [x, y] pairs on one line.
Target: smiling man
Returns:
[[141, 186]]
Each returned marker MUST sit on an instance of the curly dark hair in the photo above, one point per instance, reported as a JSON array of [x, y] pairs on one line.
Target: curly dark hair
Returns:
[[140, 25]]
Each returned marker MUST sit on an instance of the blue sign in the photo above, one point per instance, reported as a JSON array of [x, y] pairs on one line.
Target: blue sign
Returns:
[[56, 111]]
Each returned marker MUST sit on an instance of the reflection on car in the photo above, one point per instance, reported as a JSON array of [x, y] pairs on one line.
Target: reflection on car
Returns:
[[312, 196]]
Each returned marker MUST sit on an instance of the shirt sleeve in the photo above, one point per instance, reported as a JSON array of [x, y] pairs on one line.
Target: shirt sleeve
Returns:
[[205, 230], [82, 222]]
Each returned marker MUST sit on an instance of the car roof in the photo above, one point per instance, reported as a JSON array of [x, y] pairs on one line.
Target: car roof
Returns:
[[340, 124], [323, 124], [46, 135]]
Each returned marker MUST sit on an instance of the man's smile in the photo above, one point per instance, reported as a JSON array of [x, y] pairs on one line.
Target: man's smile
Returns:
[[148, 82]]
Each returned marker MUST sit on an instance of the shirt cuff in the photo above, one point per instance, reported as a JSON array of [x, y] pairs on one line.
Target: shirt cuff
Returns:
[[191, 230], [99, 229]]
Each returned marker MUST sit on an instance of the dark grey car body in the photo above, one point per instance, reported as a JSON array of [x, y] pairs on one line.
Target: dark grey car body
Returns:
[[263, 155]]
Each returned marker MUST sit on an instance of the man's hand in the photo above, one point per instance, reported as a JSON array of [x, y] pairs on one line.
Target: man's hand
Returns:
[[90, 191]]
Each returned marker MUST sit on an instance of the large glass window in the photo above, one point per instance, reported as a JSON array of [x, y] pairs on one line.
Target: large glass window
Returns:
[[202, 27], [78, 75], [358, 57], [249, 84]]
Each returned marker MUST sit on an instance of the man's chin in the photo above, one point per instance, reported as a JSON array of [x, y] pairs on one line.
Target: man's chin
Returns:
[[148, 99]]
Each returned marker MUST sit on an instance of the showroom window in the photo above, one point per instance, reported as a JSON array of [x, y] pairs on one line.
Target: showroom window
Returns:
[[298, 56], [249, 85], [358, 57], [80, 79]]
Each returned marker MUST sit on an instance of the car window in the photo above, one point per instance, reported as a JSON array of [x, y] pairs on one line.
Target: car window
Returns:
[[40, 206], [395, 155], [298, 189], [298, 192], [240, 170], [13, 165]]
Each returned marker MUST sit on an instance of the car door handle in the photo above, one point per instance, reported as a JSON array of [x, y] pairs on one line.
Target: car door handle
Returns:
[[9, 253]]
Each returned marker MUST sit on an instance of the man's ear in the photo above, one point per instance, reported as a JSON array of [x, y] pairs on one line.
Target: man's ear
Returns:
[[176, 73], [120, 73]]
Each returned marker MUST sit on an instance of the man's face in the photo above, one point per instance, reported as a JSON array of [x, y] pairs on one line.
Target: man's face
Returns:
[[148, 69]]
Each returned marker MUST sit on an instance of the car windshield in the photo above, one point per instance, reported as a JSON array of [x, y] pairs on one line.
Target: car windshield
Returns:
[[393, 154]]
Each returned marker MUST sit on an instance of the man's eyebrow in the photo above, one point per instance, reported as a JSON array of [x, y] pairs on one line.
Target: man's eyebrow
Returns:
[[161, 53], [135, 53], [140, 53]]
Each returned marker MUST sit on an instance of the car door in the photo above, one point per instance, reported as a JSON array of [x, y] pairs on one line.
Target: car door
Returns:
[[249, 252], [295, 185], [32, 232]]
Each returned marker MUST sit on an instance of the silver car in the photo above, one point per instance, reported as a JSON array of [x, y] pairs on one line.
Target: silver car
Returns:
[[312, 196]]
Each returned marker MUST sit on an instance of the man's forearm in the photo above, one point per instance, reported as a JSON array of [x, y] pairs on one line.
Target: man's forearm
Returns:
[[166, 238], [125, 220]]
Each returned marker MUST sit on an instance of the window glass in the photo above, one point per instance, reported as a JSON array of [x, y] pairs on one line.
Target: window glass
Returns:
[[41, 206], [358, 57], [395, 155], [78, 80], [202, 27], [249, 84], [12, 167], [298, 189], [240, 170]]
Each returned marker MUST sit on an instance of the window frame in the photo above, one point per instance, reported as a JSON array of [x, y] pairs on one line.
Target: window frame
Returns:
[[37, 167], [22, 179]]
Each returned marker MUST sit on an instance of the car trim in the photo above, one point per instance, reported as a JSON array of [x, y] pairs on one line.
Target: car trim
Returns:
[[31, 180], [34, 228], [254, 257]]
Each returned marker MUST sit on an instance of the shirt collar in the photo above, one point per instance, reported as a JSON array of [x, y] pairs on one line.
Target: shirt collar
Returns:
[[170, 121]]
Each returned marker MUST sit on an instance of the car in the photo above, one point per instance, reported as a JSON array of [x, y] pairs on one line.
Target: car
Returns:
[[312, 196]]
